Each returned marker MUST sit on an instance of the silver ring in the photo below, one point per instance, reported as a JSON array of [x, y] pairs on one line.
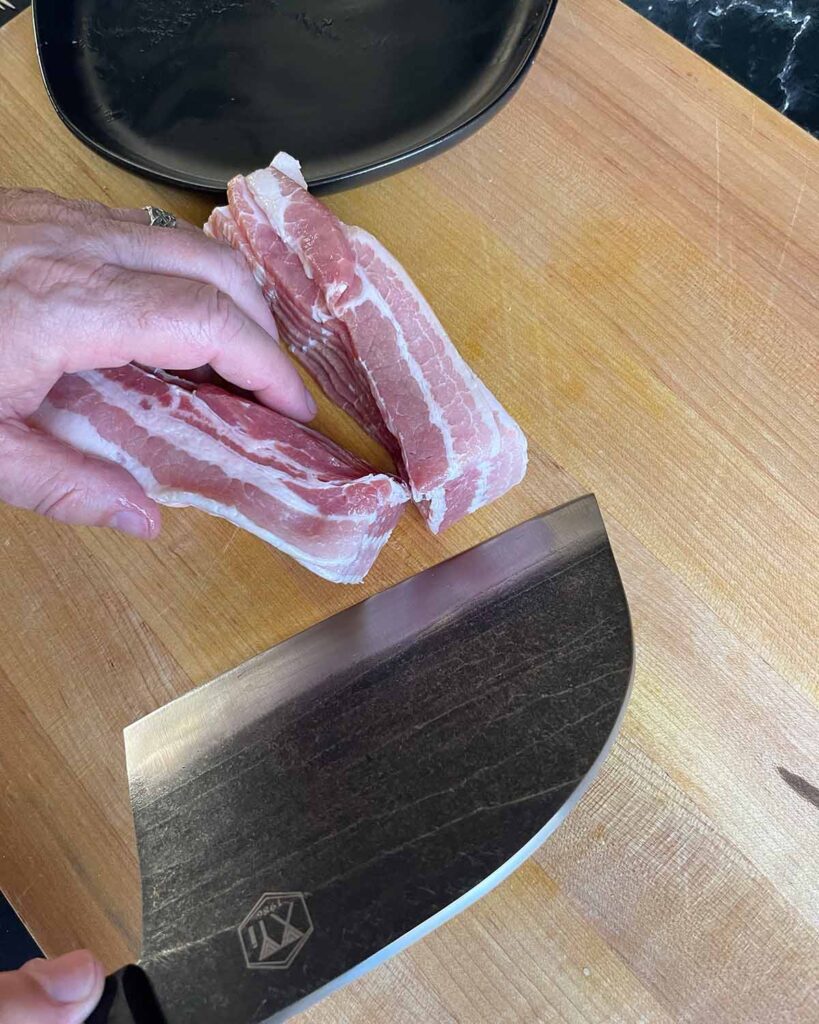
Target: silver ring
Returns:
[[160, 218]]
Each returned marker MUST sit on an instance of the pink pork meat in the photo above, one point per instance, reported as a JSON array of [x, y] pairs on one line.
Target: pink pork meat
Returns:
[[352, 316], [203, 447]]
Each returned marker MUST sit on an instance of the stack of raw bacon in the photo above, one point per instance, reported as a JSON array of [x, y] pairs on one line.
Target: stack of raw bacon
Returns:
[[355, 320]]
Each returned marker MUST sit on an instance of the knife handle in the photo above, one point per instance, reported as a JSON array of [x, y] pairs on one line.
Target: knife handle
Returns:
[[127, 999]]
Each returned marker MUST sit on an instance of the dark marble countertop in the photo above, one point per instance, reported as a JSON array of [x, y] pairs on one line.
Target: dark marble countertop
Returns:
[[772, 48]]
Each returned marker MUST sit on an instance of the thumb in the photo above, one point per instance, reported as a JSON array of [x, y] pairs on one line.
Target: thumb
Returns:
[[40, 473], [61, 991]]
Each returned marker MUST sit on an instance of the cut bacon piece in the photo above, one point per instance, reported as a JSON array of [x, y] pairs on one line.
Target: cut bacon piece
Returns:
[[353, 317], [203, 447]]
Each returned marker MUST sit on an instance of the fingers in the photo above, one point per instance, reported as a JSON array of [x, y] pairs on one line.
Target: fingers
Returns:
[[60, 991], [124, 237], [33, 206], [113, 290], [166, 321], [42, 474], [189, 254]]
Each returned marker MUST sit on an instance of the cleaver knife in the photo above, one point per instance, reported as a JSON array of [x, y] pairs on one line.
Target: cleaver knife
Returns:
[[312, 812]]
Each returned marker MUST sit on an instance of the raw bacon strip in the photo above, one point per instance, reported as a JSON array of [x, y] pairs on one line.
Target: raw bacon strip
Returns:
[[351, 314], [319, 342], [203, 447]]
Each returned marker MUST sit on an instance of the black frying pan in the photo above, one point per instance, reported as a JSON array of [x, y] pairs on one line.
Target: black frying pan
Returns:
[[193, 91]]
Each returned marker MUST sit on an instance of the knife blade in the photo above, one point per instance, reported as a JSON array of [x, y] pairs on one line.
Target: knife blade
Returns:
[[312, 812]]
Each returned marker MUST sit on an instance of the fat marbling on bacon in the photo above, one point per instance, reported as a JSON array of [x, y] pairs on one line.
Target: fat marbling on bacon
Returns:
[[203, 447], [350, 313]]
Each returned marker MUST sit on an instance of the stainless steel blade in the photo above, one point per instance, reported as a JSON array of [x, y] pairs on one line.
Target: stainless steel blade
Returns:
[[317, 809]]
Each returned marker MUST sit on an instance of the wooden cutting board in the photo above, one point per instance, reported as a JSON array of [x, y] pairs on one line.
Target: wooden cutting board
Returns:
[[627, 256]]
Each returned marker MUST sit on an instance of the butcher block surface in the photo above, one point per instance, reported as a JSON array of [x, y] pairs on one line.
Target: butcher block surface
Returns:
[[627, 257]]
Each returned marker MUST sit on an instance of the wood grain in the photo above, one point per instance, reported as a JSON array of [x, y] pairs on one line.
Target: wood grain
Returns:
[[627, 255]]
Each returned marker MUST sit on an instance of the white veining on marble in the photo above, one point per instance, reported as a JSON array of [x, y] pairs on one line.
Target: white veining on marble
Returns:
[[784, 12], [758, 42]]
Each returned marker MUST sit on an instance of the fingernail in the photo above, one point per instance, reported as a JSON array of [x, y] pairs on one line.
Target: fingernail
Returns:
[[68, 979], [310, 402], [132, 521]]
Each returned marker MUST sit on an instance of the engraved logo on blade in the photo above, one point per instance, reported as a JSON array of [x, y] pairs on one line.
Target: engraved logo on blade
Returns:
[[275, 931]]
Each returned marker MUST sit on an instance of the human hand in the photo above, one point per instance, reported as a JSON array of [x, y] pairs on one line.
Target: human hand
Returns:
[[84, 287], [60, 991]]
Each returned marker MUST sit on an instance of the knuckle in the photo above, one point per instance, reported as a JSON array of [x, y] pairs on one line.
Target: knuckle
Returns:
[[223, 320], [25, 362], [168, 312], [98, 277], [54, 215], [39, 206], [24, 204], [229, 268], [61, 499], [20, 243], [41, 273]]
